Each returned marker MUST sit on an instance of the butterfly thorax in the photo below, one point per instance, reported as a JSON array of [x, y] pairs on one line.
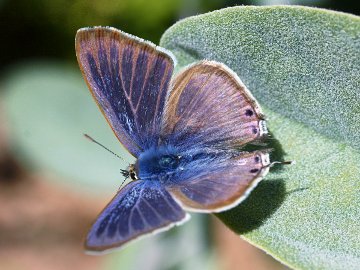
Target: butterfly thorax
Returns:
[[158, 164]]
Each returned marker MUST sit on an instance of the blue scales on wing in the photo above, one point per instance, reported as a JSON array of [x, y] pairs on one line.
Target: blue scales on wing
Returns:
[[187, 142], [217, 182], [129, 79], [209, 107], [208, 117], [139, 208]]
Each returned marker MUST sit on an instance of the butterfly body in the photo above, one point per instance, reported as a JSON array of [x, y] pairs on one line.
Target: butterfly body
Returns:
[[160, 163], [185, 132]]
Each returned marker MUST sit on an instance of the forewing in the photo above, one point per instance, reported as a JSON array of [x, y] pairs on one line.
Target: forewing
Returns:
[[218, 183], [209, 106], [129, 79], [138, 209]]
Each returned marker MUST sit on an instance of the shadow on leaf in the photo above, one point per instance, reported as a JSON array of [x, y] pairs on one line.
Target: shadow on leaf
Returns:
[[277, 153], [260, 205]]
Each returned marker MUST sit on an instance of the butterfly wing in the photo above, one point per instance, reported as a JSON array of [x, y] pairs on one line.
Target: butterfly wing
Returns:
[[219, 182], [129, 78], [210, 107], [138, 209], [209, 113]]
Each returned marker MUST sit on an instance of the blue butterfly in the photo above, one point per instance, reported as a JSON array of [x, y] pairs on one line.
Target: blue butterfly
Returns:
[[185, 133]]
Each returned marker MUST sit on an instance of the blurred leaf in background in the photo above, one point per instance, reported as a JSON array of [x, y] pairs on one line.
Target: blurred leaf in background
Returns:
[[49, 109]]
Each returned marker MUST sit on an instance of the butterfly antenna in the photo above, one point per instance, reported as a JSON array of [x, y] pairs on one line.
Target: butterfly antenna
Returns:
[[123, 182], [91, 139]]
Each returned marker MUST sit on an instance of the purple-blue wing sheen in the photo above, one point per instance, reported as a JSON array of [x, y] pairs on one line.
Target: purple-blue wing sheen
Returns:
[[139, 208], [215, 183], [129, 79], [209, 107], [209, 114]]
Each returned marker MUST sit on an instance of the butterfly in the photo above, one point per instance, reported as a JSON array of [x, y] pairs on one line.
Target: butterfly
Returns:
[[185, 131]]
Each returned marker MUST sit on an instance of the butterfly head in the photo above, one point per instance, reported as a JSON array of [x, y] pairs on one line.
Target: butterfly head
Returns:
[[130, 172]]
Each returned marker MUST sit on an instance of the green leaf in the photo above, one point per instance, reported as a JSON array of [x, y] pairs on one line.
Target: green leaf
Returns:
[[49, 109], [302, 64]]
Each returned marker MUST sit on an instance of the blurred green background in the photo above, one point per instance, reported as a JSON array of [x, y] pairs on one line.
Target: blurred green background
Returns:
[[52, 181], [45, 29]]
